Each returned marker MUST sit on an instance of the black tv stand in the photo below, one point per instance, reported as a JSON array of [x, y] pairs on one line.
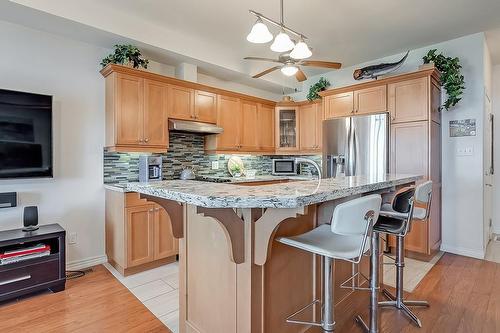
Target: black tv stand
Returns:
[[25, 277]]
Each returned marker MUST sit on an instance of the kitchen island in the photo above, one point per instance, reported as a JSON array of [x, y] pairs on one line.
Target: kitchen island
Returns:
[[233, 276]]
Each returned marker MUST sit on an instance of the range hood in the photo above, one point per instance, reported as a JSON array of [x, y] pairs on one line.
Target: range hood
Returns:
[[193, 127]]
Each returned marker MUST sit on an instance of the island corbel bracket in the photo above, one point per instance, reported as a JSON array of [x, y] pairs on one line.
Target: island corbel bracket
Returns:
[[174, 210], [265, 228], [233, 227]]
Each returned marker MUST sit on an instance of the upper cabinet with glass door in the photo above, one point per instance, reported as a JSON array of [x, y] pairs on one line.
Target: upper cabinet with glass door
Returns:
[[287, 129]]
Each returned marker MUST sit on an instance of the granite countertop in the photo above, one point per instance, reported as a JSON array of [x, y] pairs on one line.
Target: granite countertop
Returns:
[[118, 187], [281, 195], [122, 187], [259, 178]]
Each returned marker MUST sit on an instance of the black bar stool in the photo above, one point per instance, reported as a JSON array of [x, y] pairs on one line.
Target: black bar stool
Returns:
[[396, 220]]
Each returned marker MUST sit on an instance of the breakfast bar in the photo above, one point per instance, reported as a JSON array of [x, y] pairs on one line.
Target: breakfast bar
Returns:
[[233, 276]]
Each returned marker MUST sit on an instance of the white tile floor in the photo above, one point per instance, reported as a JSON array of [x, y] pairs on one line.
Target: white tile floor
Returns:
[[158, 290], [414, 272], [493, 250]]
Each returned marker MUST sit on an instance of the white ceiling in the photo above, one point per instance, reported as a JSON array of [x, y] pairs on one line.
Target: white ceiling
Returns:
[[212, 33]]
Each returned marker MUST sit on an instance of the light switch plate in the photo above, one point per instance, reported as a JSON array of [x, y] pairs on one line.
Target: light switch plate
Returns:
[[215, 165]]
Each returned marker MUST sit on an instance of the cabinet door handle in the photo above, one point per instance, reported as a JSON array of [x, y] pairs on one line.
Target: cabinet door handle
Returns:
[[21, 278], [146, 140]]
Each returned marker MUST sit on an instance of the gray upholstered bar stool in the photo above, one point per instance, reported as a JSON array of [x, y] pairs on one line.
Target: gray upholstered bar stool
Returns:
[[347, 238], [396, 220]]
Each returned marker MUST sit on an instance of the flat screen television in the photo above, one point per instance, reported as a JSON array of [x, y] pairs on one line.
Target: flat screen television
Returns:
[[25, 135]]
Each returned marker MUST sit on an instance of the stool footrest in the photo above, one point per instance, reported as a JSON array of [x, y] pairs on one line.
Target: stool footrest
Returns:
[[290, 319], [355, 284]]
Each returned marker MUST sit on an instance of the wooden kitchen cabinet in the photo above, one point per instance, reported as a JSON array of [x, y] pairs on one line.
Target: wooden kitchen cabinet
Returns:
[[310, 128], [139, 104], [409, 100], [409, 148], [265, 128], [416, 149], [155, 113], [138, 233], [129, 109], [229, 118], [339, 105], [205, 107], [287, 129], [370, 100], [249, 126], [136, 114], [181, 103], [192, 105]]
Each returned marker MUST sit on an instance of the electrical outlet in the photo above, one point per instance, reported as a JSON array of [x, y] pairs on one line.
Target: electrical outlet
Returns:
[[215, 165], [72, 238], [465, 151]]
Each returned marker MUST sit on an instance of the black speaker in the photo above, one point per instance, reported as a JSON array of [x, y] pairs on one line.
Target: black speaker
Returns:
[[30, 218]]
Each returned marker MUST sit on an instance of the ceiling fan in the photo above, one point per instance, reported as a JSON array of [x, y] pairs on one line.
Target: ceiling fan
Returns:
[[290, 66]]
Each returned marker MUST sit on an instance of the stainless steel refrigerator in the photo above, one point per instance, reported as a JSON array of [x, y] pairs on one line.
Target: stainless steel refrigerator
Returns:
[[357, 145]]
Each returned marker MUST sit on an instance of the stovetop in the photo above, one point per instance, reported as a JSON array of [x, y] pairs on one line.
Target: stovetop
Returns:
[[212, 179]]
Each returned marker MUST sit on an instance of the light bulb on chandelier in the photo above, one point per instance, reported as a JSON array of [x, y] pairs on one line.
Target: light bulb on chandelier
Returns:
[[260, 33], [289, 70]]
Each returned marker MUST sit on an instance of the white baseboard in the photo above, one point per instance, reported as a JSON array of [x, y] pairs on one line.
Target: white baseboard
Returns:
[[86, 263], [478, 254]]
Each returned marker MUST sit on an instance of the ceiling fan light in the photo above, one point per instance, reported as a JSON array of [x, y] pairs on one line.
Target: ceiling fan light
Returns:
[[260, 33], [301, 51], [282, 43], [289, 70]]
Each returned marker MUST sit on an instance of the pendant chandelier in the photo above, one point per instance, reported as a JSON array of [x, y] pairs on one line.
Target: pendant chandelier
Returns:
[[260, 34]]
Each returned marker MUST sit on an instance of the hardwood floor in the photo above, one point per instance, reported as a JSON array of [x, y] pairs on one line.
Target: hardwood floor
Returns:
[[463, 293], [96, 302]]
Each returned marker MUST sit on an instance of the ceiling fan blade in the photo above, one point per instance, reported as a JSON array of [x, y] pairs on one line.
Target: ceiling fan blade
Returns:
[[267, 71], [261, 59], [300, 75], [325, 64]]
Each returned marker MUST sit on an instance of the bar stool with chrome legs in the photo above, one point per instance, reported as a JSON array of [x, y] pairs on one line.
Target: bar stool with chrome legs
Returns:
[[396, 220], [346, 239]]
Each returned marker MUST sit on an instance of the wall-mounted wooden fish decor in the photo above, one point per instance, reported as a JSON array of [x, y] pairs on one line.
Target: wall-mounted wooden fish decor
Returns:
[[374, 71]]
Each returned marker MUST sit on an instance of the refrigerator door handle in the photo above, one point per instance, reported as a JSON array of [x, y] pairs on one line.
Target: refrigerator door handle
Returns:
[[351, 150], [354, 158], [348, 150]]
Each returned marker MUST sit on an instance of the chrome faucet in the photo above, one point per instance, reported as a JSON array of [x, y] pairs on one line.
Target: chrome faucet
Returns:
[[299, 160]]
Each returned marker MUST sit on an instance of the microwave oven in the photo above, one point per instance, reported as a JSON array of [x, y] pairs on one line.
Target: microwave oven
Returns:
[[284, 167]]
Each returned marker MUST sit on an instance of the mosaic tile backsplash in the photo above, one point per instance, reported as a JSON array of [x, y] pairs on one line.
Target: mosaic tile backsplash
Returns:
[[186, 151]]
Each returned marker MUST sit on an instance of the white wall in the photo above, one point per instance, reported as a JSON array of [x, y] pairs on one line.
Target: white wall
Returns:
[[462, 195], [42, 63], [496, 179]]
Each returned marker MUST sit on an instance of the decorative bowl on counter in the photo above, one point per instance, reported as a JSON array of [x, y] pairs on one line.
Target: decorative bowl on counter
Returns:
[[235, 166]]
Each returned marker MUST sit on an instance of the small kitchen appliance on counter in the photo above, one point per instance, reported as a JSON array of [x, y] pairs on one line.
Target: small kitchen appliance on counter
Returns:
[[150, 168], [284, 167], [187, 174]]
